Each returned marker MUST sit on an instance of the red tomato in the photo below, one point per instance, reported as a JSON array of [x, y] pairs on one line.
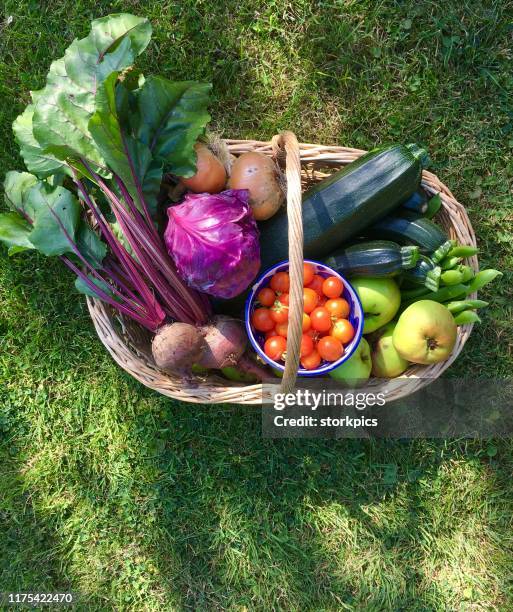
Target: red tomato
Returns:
[[308, 273], [332, 287], [279, 313], [321, 320], [306, 322], [342, 330], [311, 361], [314, 334], [338, 308], [266, 296], [307, 345], [274, 347], [310, 299], [316, 283], [284, 299], [330, 348], [280, 282], [261, 320], [281, 329]]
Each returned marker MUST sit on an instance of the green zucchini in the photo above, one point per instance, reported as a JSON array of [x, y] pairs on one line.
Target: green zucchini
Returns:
[[424, 273], [373, 258], [342, 205], [417, 202], [412, 229]]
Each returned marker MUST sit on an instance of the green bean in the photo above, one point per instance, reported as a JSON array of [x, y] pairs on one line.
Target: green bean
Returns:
[[482, 278], [468, 273], [433, 206], [442, 295], [467, 316], [461, 305], [448, 263], [463, 251], [409, 294], [451, 277]]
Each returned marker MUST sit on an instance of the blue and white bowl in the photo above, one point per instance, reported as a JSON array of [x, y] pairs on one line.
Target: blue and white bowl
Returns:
[[257, 338]]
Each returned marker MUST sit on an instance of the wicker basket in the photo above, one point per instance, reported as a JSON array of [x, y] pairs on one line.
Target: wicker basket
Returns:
[[129, 344]]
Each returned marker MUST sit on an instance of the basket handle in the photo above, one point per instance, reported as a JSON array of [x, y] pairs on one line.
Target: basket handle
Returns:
[[287, 143]]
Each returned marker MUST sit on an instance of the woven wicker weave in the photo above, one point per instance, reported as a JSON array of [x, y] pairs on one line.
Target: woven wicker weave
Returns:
[[129, 344]]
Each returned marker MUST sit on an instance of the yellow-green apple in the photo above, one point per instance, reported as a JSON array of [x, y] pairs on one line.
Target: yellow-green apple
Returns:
[[386, 361], [425, 333], [357, 367], [380, 298]]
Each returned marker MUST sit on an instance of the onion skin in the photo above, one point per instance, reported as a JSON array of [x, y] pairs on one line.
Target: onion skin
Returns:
[[258, 174], [177, 346], [225, 342], [210, 174]]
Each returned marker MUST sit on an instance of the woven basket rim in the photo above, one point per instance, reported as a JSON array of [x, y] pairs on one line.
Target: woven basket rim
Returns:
[[214, 389]]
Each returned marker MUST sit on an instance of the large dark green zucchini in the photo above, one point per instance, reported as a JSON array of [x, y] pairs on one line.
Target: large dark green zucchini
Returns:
[[341, 206], [412, 229], [373, 258]]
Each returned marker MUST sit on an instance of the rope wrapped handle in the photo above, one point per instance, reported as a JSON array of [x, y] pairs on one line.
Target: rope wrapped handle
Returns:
[[286, 144]]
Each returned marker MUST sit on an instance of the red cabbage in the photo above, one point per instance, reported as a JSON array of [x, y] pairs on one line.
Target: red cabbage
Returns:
[[213, 239]]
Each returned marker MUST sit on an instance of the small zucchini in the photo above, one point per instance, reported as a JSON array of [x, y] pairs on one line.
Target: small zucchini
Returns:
[[424, 273], [412, 229], [373, 258]]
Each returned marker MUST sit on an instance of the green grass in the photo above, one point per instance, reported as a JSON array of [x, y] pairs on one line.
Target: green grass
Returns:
[[138, 502]]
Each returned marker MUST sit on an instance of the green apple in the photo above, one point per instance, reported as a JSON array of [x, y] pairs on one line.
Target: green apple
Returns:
[[237, 375], [357, 367], [425, 333], [380, 298], [386, 361]]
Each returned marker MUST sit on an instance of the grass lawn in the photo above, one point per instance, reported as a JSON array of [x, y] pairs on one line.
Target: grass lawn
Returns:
[[138, 502]]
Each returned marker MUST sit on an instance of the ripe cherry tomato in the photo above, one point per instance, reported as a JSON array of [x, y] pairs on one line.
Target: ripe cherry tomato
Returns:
[[311, 361], [314, 334], [307, 345], [281, 329], [317, 283], [274, 347], [280, 282], [266, 296], [338, 308], [279, 313], [261, 320], [310, 299], [330, 348], [308, 273], [284, 299], [321, 320], [306, 322], [342, 330], [332, 287]]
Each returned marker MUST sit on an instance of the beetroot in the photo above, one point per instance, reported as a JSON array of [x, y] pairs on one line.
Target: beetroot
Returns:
[[225, 340], [177, 346]]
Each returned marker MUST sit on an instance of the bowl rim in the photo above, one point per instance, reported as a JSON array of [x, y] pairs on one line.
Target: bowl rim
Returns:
[[327, 367]]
